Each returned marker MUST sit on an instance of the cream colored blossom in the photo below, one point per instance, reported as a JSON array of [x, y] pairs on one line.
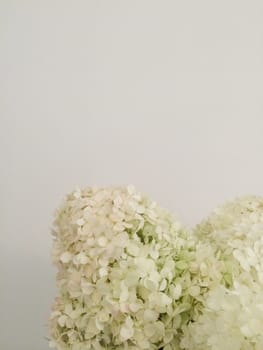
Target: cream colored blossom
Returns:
[[231, 317], [130, 277], [124, 276]]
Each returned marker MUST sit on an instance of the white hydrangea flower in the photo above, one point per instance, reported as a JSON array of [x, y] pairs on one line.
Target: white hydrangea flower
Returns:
[[232, 314], [131, 277], [128, 275]]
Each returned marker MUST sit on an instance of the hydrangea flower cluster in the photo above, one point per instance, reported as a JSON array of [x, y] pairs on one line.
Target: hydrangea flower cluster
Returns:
[[130, 276], [127, 276], [232, 314]]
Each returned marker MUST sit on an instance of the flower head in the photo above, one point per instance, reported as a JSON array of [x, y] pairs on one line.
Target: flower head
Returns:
[[231, 316], [124, 272]]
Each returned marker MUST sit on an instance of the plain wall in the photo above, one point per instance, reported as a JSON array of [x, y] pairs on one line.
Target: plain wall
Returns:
[[166, 95]]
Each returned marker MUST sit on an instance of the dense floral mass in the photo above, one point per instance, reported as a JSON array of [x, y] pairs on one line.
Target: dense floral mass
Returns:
[[124, 274], [130, 276], [232, 314]]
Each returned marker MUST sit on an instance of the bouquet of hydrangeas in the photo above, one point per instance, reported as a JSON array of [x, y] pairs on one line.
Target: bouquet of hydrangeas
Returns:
[[130, 276]]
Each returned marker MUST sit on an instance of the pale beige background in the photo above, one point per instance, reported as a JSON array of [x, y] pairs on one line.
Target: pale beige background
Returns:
[[163, 94]]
